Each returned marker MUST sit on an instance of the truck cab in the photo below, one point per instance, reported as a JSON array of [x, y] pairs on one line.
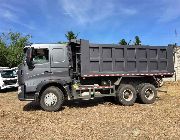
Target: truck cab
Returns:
[[43, 64]]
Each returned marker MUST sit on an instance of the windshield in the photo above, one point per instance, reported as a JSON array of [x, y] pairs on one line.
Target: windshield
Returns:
[[8, 73], [38, 56]]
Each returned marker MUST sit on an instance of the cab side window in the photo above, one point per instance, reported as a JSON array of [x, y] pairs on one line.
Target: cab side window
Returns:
[[40, 56]]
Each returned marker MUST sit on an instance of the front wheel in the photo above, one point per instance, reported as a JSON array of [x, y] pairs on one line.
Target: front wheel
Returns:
[[52, 99], [126, 95]]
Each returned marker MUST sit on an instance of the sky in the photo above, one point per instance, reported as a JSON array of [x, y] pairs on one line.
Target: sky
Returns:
[[156, 22]]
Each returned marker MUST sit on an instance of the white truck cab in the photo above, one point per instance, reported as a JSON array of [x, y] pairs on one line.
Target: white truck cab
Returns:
[[8, 78]]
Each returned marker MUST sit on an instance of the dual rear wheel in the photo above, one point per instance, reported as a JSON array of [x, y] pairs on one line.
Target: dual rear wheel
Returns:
[[127, 94], [147, 93]]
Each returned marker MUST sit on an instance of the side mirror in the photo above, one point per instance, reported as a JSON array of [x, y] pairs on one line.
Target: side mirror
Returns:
[[29, 58]]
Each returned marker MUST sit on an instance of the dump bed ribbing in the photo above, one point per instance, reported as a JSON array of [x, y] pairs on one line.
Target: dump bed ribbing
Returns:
[[93, 60]]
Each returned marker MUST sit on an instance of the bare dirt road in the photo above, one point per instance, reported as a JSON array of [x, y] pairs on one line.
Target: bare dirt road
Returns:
[[97, 119]]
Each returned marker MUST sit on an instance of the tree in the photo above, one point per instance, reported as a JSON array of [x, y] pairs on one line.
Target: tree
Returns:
[[129, 42], [123, 42], [137, 41], [71, 35], [3, 54], [11, 45]]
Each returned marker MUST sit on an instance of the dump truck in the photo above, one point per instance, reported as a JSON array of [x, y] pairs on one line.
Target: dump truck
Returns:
[[51, 74]]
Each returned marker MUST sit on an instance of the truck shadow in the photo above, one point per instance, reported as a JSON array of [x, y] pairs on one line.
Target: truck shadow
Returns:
[[34, 106], [89, 103]]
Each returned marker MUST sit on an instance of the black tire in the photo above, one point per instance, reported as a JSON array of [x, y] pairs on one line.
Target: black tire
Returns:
[[126, 95], [55, 96], [147, 94], [139, 87]]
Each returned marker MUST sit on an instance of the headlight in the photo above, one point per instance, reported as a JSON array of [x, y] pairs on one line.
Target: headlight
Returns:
[[2, 84]]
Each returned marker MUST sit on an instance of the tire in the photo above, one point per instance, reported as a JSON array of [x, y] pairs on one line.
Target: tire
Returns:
[[52, 99], [139, 87], [147, 94], [126, 95]]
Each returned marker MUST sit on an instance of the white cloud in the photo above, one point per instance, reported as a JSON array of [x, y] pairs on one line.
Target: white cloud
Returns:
[[8, 15], [12, 14], [128, 11], [43, 5], [11, 8], [170, 10], [90, 11]]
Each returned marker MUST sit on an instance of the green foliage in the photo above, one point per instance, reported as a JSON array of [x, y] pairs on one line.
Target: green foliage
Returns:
[[137, 41], [129, 42], [3, 54], [123, 42], [71, 35], [11, 48]]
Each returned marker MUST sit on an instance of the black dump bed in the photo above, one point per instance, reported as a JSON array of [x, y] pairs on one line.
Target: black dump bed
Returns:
[[91, 60]]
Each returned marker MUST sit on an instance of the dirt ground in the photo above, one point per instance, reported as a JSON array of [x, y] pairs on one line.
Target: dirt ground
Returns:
[[96, 119]]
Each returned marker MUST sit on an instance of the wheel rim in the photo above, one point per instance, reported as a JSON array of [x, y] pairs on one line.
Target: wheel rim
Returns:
[[50, 99], [149, 94], [127, 95]]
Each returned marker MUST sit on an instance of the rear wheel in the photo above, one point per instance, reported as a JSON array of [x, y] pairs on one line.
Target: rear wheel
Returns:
[[126, 95], [148, 94], [52, 99]]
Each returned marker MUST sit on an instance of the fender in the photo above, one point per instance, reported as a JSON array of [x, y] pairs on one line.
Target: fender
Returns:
[[43, 83]]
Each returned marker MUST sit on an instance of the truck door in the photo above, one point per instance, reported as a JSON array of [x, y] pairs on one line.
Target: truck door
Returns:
[[41, 68], [59, 61], [41, 61]]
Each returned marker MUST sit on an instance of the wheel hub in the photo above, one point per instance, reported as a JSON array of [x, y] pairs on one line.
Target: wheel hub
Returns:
[[128, 95], [149, 94], [50, 99]]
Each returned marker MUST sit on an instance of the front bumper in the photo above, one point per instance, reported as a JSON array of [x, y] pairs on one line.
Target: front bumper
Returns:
[[9, 86], [23, 96]]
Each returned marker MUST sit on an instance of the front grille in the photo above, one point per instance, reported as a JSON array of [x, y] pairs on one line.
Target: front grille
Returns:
[[10, 82]]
